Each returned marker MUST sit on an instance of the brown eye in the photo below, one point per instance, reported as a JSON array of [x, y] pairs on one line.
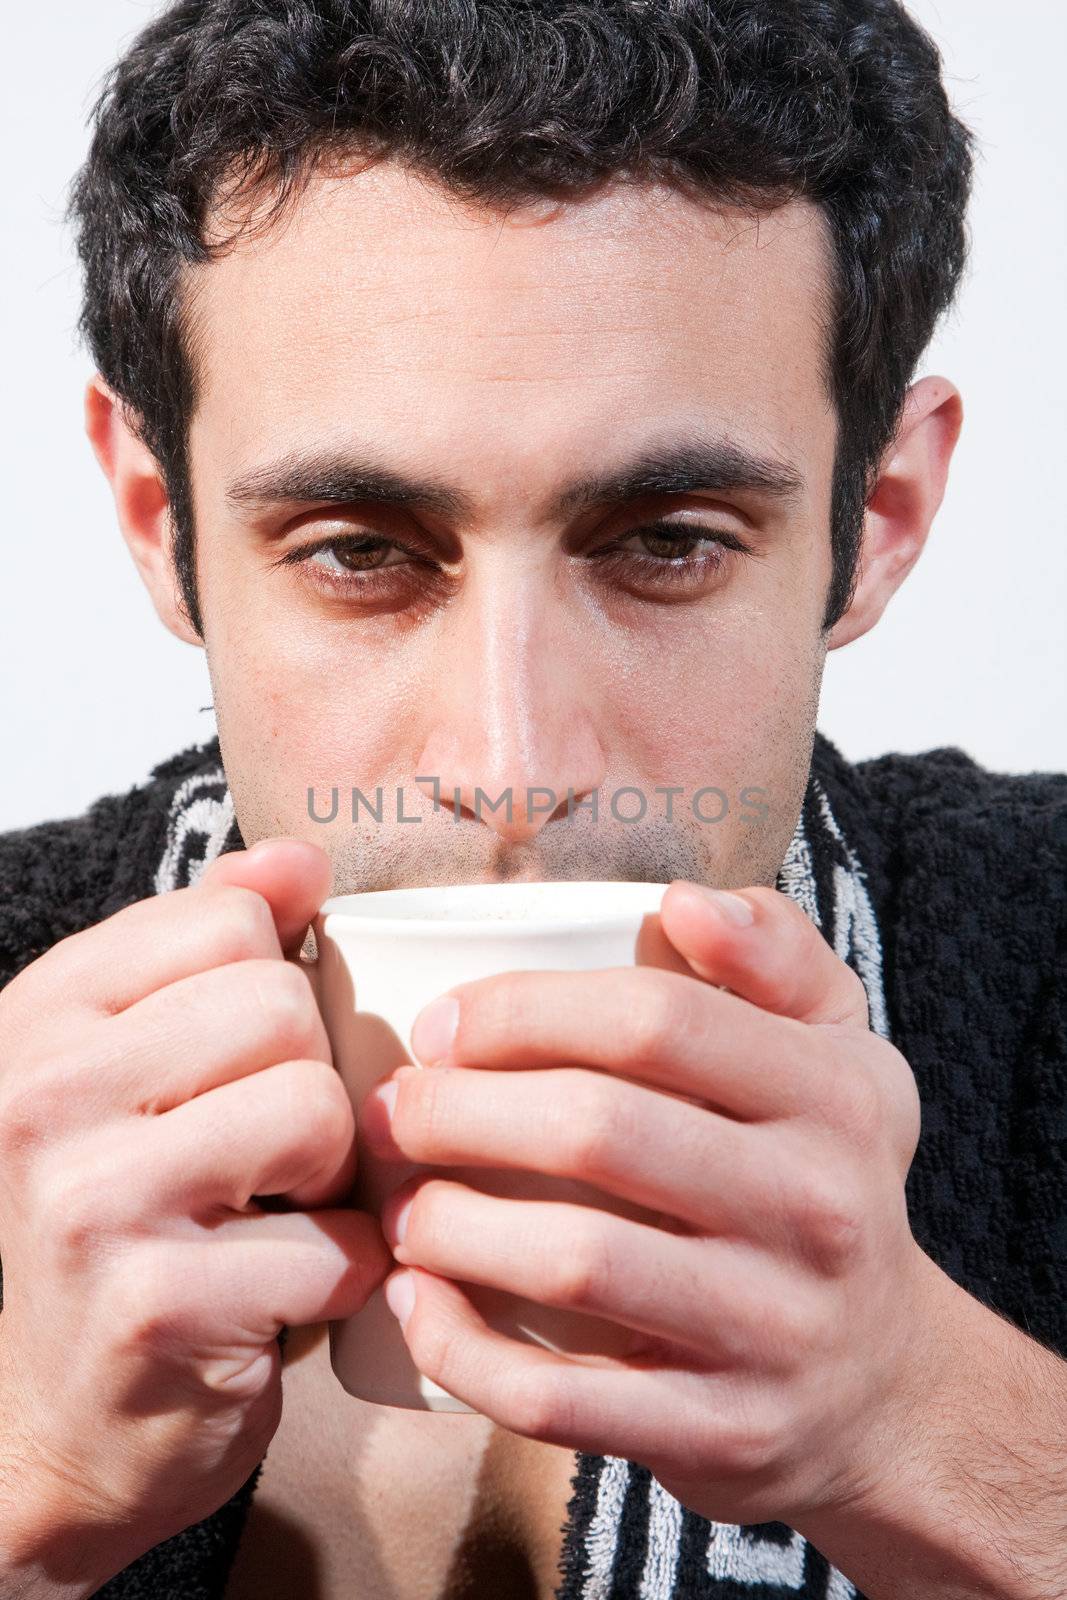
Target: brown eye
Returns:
[[365, 570], [679, 557], [355, 555], [669, 545]]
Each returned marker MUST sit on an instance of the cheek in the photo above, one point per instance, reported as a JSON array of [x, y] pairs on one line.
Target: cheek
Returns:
[[298, 705], [719, 692], [306, 723]]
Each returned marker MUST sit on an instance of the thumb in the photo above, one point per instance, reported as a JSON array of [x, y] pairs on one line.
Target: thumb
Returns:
[[774, 956], [294, 876]]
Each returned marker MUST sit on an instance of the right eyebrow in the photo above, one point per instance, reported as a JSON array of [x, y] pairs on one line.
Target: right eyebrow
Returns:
[[299, 478]]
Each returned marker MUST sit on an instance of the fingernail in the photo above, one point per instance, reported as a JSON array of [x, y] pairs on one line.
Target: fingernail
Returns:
[[400, 1296], [434, 1029], [386, 1093], [730, 906], [400, 1221]]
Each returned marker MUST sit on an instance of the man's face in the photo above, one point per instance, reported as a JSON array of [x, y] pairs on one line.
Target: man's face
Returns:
[[502, 636]]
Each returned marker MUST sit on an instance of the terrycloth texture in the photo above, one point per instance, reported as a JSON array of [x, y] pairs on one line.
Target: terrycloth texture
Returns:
[[942, 884]]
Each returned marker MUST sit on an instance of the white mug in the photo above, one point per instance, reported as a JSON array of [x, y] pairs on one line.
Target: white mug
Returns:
[[381, 957]]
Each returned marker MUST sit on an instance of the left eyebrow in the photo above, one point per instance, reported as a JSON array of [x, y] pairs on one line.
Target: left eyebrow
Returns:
[[677, 467], [681, 468]]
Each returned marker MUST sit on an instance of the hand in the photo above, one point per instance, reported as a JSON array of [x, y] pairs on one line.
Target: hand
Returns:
[[783, 1314], [157, 1072]]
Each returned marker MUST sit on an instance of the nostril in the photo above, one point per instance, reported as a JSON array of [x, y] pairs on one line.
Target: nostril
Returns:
[[449, 800], [570, 803]]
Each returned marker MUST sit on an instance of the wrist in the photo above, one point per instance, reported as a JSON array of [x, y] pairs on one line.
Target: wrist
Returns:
[[47, 1551], [19, 1581], [51, 1546], [969, 1496]]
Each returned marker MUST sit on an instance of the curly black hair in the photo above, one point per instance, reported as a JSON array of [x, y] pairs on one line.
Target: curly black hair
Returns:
[[749, 102]]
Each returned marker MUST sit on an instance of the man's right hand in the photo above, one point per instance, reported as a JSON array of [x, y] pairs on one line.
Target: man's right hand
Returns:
[[157, 1071]]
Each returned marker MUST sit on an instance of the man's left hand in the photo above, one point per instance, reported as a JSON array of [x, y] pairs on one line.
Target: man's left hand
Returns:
[[786, 1322]]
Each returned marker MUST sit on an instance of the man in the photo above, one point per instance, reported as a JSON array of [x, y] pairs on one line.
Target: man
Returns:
[[519, 398]]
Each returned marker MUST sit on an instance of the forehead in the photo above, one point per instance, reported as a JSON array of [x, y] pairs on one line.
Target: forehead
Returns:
[[383, 301]]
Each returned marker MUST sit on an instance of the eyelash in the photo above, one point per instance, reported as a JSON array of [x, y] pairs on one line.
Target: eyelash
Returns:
[[659, 571]]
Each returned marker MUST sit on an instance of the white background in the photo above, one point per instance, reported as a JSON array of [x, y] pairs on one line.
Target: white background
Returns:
[[971, 651]]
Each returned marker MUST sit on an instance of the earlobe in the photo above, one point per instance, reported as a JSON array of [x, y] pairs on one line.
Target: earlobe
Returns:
[[903, 503], [140, 501]]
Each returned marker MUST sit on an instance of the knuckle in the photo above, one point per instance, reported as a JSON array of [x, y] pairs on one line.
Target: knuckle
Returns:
[[502, 1005], [435, 1348], [286, 1005], [902, 1112], [857, 1109], [747, 1445], [242, 923], [856, 993], [12, 995], [321, 1107], [24, 1120], [656, 1010], [580, 1276], [35, 1100], [148, 1315], [593, 1124], [795, 1331], [421, 1117], [70, 1212], [829, 1220], [35, 986], [743, 1434], [907, 1119], [536, 1406]]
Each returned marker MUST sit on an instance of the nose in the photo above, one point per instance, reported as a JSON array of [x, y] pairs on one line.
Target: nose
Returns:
[[512, 732]]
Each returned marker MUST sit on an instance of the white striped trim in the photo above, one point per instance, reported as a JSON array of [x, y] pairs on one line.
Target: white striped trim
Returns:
[[838, 1587], [796, 876], [193, 812], [738, 1556], [664, 1543], [855, 925], [603, 1532]]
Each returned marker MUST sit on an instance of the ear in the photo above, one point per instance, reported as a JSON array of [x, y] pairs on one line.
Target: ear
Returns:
[[140, 500], [909, 490]]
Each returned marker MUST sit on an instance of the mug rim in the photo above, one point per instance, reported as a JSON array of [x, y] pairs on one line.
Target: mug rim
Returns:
[[371, 908]]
